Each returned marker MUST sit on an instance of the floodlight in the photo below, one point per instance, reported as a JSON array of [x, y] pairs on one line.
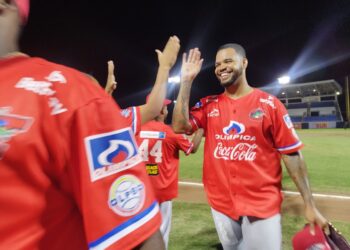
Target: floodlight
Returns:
[[283, 80]]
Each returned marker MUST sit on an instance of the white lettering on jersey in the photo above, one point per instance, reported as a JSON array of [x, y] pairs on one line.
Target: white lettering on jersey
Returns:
[[268, 101], [56, 106], [214, 113], [38, 87], [240, 152], [56, 76], [235, 137]]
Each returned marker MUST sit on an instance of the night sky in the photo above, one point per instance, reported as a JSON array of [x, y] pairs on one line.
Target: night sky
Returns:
[[309, 39]]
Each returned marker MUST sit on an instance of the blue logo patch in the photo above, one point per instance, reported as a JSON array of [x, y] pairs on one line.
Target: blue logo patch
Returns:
[[110, 153], [236, 127]]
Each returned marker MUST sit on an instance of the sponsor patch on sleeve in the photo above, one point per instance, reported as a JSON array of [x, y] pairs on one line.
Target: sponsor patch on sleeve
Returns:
[[110, 153], [288, 121], [126, 195]]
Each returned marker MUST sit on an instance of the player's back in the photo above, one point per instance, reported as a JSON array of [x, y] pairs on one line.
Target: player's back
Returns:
[[52, 130], [159, 147]]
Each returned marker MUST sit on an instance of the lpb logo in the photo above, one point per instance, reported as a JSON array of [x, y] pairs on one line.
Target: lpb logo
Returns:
[[126, 195]]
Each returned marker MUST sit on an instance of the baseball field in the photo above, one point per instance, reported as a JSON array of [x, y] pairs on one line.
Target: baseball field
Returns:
[[327, 154]]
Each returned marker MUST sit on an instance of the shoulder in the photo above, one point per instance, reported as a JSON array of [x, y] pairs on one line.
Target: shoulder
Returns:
[[203, 102], [55, 72], [73, 86], [267, 99]]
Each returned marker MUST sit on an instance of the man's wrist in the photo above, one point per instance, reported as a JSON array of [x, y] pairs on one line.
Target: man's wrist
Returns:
[[186, 80], [164, 67]]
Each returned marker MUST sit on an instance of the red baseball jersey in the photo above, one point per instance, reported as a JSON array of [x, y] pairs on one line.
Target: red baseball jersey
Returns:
[[159, 147], [71, 176], [133, 118], [242, 153]]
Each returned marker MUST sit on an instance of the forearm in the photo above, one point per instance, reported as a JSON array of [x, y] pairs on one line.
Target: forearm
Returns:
[[156, 98], [196, 139], [180, 121], [296, 167]]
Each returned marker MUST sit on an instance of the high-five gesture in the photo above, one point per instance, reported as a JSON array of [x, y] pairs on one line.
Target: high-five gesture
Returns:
[[168, 57], [191, 65], [111, 84]]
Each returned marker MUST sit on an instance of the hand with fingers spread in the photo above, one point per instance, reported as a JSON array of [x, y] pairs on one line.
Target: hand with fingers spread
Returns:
[[167, 57], [111, 84], [191, 65]]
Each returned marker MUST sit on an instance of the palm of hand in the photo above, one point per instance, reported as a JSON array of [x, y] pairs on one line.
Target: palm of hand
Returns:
[[189, 70]]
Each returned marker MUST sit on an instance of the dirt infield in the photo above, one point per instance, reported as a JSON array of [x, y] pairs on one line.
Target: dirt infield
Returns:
[[334, 208]]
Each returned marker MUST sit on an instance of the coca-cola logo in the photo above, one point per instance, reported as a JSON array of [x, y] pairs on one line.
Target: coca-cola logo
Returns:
[[239, 152]]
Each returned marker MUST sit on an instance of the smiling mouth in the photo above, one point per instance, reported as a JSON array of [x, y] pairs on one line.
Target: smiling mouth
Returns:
[[224, 76]]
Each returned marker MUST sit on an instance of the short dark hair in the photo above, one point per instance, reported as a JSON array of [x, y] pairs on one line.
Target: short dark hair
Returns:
[[237, 47]]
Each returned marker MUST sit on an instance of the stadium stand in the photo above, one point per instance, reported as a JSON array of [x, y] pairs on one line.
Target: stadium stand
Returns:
[[312, 104]]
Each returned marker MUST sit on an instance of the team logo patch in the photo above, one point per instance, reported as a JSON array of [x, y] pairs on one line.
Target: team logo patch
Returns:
[[257, 114], [152, 169], [126, 195], [110, 153], [234, 128], [198, 105], [10, 126], [288, 121]]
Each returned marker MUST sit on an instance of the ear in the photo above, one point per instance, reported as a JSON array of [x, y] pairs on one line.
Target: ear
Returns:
[[245, 63]]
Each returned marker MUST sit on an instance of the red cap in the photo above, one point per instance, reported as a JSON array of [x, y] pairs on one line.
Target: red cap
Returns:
[[304, 240], [166, 101], [23, 9]]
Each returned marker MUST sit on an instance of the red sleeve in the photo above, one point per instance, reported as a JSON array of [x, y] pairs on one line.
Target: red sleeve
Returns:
[[198, 116], [182, 142], [286, 139], [133, 117], [109, 179]]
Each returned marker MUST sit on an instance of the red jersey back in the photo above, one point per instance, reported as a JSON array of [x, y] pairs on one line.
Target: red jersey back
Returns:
[[70, 173], [242, 152], [159, 147]]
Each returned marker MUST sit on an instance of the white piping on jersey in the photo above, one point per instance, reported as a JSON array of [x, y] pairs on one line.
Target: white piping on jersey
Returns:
[[134, 226], [195, 122], [189, 150], [290, 147], [134, 119]]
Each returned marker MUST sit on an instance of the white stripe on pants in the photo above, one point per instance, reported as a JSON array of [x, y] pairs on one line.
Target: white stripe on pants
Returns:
[[262, 234]]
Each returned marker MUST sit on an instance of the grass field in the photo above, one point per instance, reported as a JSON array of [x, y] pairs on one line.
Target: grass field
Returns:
[[193, 228], [327, 154]]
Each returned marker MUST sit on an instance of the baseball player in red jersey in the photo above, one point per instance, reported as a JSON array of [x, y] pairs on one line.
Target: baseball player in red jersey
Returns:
[[71, 176], [247, 131], [159, 147]]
